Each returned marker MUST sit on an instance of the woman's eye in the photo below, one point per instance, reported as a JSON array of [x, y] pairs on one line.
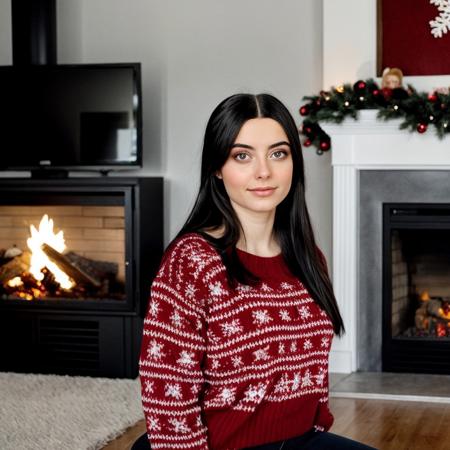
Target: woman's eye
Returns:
[[240, 156], [279, 154]]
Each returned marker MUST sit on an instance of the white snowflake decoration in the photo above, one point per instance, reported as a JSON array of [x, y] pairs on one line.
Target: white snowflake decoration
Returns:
[[304, 312], [283, 384], [176, 319], [215, 364], [255, 393], [190, 291], [179, 425], [173, 390], [441, 23], [296, 382], [266, 288], [154, 308], [284, 315], [285, 285], [307, 379], [307, 345], [228, 395], [261, 317], [186, 359], [155, 350], [262, 354], [153, 423], [320, 377], [293, 346], [149, 387], [281, 349], [325, 342], [231, 328], [237, 361], [215, 289]]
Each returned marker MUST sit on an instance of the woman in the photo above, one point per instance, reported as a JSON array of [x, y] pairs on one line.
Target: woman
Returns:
[[242, 312]]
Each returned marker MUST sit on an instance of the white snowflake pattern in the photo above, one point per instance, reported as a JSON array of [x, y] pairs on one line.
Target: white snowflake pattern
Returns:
[[244, 288], [199, 325], [283, 384], [293, 347], [197, 261], [237, 361], [320, 377], [199, 422], [155, 350], [285, 285], [262, 353], [296, 382], [265, 287], [149, 387], [261, 317], [304, 312], [173, 390], [255, 393], [324, 343], [186, 359], [307, 345], [281, 349], [441, 23], [190, 291], [306, 381], [284, 315], [215, 364], [153, 423], [195, 388], [230, 328], [215, 289], [176, 319], [154, 308], [212, 337], [227, 395], [179, 425]]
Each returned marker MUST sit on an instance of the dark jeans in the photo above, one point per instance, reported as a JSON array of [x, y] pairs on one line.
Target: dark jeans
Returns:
[[315, 441], [308, 441]]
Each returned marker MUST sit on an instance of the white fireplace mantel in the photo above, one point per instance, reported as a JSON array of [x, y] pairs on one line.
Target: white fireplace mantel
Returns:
[[367, 144]]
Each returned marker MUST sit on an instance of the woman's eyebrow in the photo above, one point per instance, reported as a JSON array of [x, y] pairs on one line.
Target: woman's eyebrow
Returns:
[[277, 144]]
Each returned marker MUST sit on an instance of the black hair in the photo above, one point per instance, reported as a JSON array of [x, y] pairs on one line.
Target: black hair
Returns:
[[292, 225]]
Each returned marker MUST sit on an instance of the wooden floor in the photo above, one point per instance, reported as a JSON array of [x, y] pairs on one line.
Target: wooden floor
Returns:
[[386, 425]]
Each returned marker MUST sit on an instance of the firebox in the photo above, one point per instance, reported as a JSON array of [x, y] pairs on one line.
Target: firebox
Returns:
[[416, 288], [77, 257]]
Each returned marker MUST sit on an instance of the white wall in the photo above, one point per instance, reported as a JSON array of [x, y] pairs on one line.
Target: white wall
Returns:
[[193, 55]]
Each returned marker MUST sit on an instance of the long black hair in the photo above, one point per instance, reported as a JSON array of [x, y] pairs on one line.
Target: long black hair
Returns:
[[292, 226]]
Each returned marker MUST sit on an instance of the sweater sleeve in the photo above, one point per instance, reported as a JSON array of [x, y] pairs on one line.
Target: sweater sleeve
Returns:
[[173, 347]]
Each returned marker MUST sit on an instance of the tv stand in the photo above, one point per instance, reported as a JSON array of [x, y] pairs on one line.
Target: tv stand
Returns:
[[45, 174]]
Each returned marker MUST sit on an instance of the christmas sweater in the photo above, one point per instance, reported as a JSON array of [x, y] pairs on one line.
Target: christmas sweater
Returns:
[[225, 369]]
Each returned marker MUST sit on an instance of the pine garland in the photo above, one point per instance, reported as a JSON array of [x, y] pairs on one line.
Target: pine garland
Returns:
[[417, 109]]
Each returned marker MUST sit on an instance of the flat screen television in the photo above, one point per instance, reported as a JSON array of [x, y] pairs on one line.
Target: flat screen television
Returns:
[[73, 117]]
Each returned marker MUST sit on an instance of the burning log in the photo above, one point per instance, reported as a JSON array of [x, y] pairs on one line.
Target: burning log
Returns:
[[15, 267], [76, 273]]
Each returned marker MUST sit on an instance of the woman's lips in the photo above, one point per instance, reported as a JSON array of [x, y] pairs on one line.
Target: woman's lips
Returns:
[[262, 192]]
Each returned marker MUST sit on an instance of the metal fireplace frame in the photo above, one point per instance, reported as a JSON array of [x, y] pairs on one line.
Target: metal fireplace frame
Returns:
[[415, 355], [97, 338]]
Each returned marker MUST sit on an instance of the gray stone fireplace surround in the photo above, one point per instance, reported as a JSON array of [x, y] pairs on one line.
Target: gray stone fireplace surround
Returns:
[[378, 187]]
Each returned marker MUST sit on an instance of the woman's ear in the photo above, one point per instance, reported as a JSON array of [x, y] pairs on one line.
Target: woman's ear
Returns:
[[218, 175]]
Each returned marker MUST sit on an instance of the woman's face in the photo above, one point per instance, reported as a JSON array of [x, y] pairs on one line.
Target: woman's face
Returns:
[[258, 172]]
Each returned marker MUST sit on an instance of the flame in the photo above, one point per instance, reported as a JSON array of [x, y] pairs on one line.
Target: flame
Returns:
[[39, 259], [14, 282]]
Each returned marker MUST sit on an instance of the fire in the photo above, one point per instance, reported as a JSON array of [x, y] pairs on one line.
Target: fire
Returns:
[[39, 259]]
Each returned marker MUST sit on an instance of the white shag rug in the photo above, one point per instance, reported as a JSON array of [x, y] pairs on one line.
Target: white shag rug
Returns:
[[56, 412]]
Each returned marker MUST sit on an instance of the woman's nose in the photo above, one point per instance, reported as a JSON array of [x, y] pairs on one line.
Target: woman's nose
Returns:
[[262, 168]]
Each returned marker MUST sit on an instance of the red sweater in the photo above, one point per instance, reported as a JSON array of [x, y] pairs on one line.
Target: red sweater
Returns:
[[223, 369]]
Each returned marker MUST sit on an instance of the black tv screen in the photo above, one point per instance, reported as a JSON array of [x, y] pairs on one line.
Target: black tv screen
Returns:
[[71, 116]]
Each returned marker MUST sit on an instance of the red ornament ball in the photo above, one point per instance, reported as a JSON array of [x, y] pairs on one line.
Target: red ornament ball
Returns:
[[432, 97], [304, 110], [422, 127], [325, 145], [376, 93], [306, 130], [307, 143], [361, 85]]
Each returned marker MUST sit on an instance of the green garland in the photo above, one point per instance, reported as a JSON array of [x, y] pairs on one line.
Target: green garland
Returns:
[[417, 109]]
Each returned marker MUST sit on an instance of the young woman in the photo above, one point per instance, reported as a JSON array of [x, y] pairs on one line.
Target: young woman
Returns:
[[242, 311]]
